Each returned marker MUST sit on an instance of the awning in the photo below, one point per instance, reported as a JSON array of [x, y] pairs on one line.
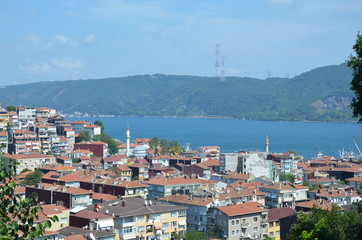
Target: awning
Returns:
[[106, 223], [182, 222]]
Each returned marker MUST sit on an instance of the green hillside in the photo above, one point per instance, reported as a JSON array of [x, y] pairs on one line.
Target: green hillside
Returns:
[[320, 94]]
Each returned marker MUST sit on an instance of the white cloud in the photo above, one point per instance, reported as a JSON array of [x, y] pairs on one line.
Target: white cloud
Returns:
[[67, 64], [36, 68], [64, 40], [282, 1], [90, 38]]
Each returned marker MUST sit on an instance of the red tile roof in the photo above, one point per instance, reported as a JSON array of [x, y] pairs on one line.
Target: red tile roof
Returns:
[[241, 209]]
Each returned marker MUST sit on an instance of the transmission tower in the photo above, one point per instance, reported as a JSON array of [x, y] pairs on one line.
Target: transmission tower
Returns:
[[219, 63]]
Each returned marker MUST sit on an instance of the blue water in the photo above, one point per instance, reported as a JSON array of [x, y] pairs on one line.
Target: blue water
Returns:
[[232, 135]]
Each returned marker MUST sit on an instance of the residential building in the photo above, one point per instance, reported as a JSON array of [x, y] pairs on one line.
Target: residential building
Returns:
[[197, 208], [25, 141], [4, 119], [114, 160], [92, 220], [282, 194], [355, 182], [209, 151], [57, 209], [198, 169], [163, 186], [138, 218], [280, 221], [26, 116], [339, 197], [30, 161], [240, 221], [70, 196], [3, 142], [139, 170], [99, 149], [288, 163]]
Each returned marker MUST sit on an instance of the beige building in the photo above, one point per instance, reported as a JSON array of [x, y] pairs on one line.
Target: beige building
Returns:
[[30, 161], [240, 221], [138, 218]]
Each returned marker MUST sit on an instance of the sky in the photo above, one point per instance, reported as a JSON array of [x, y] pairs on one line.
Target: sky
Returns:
[[44, 40]]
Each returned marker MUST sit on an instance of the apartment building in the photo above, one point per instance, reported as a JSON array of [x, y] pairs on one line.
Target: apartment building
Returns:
[[284, 194], [138, 218], [240, 221], [30, 161], [163, 186]]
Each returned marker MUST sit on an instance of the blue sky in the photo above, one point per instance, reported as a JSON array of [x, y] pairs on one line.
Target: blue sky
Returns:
[[44, 40]]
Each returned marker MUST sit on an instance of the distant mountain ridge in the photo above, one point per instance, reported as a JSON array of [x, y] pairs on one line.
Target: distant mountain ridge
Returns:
[[321, 94]]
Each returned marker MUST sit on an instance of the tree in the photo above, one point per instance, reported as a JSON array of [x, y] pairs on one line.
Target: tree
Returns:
[[18, 216], [287, 177], [32, 178], [195, 235], [154, 143], [10, 108], [84, 136], [112, 144], [327, 225], [99, 123], [355, 63]]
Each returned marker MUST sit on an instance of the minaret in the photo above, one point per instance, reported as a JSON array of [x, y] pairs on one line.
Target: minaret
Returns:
[[128, 140], [267, 144]]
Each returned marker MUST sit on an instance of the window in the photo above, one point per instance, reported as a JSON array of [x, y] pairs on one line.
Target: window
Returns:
[[255, 229], [173, 214], [255, 219], [222, 222], [182, 213], [165, 225], [165, 236], [127, 230], [157, 216], [141, 229], [271, 234], [277, 224], [277, 233], [64, 220], [237, 222], [232, 232], [174, 224], [140, 218], [232, 222], [128, 219], [237, 232]]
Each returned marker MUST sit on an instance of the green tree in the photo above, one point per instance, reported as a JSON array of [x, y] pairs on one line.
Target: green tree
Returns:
[[327, 225], [112, 144], [214, 231], [18, 216], [287, 177], [84, 136], [99, 123], [154, 144], [10, 108], [32, 178], [195, 235], [355, 63]]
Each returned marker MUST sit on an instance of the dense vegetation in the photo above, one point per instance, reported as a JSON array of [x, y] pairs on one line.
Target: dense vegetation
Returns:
[[327, 225], [320, 94]]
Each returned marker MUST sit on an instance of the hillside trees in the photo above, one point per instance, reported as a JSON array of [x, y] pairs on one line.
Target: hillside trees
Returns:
[[163, 146], [327, 225], [18, 216], [355, 63], [32, 178]]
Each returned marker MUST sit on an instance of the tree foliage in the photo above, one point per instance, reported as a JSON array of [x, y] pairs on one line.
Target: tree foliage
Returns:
[[10, 108], [112, 144], [33, 178], [99, 123], [327, 225], [18, 216], [84, 136], [163, 146], [287, 177], [355, 63]]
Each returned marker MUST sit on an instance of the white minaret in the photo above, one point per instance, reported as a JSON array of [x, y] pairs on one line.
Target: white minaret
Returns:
[[267, 144], [128, 141]]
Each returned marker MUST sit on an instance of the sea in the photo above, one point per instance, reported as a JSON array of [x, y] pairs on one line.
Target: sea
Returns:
[[231, 135]]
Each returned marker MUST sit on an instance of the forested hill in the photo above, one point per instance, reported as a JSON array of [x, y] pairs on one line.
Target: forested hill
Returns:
[[320, 94]]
